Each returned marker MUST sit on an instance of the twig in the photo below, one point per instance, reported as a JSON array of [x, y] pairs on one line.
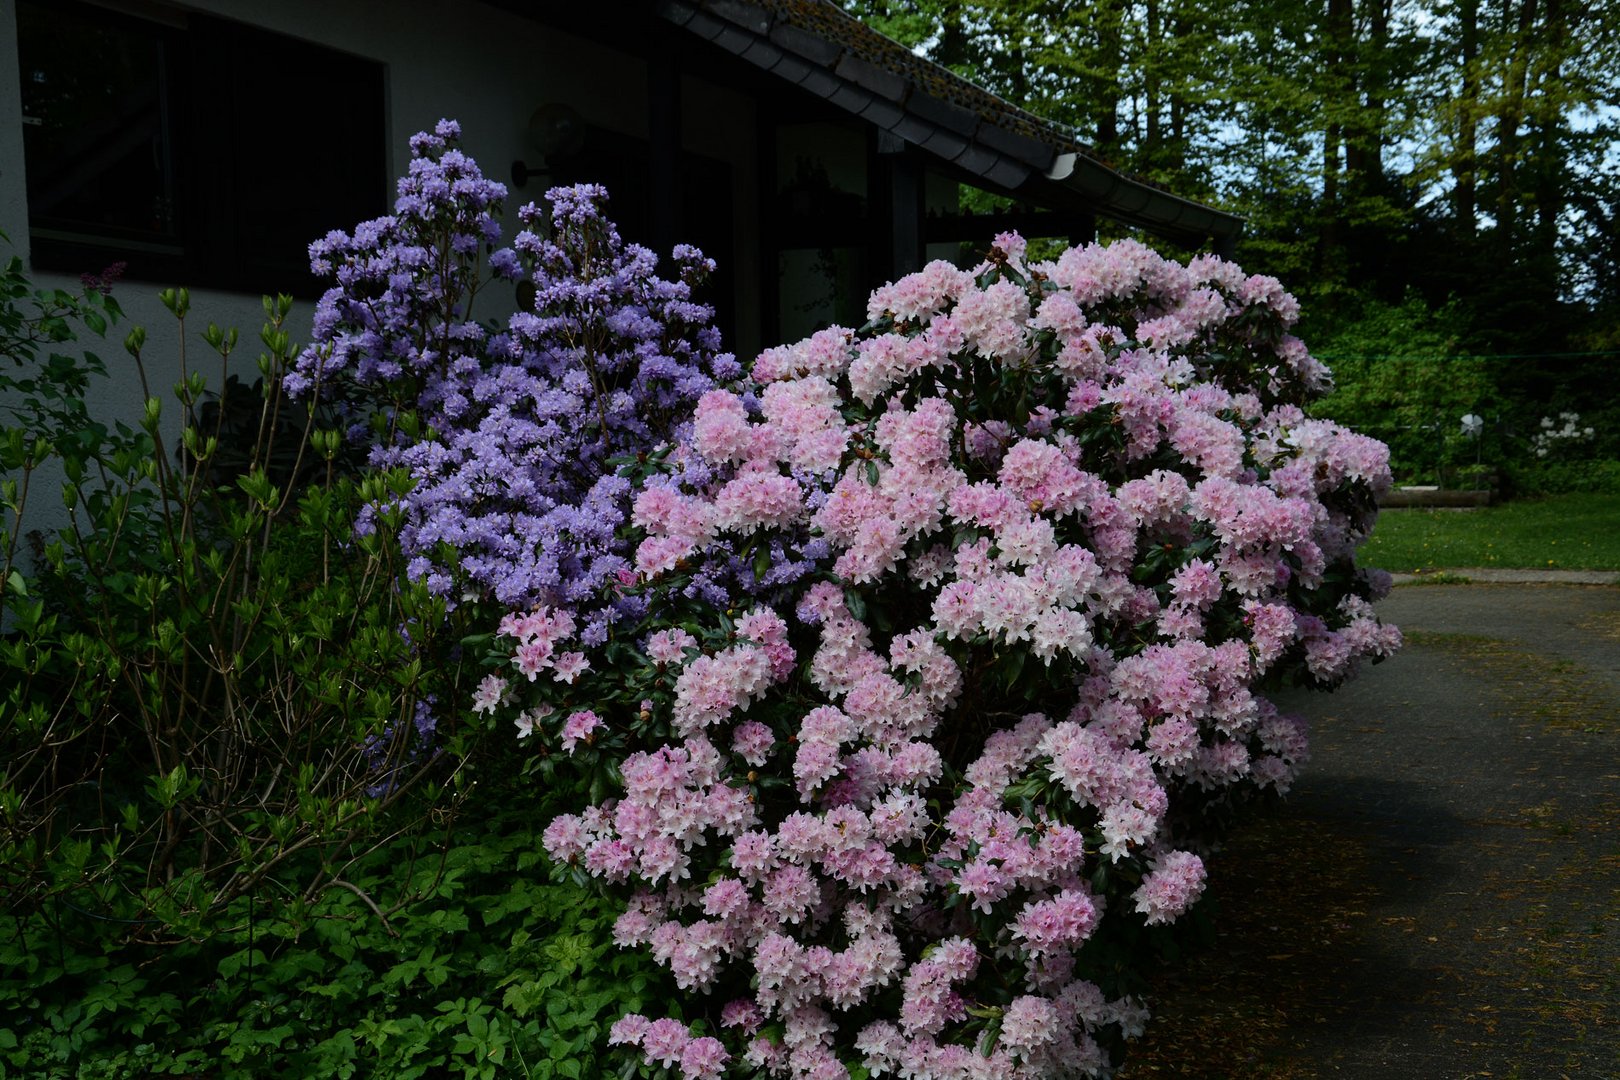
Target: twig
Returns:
[[369, 902]]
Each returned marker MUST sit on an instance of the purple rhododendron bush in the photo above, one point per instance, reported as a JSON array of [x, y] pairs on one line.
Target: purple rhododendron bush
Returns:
[[509, 431], [900, 682]]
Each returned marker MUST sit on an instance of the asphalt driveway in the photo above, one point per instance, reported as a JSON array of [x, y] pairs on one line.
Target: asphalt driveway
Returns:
[[1439, 898]]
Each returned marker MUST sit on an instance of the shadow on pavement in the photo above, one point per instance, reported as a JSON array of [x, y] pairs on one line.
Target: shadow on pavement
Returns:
[[1439, 898]]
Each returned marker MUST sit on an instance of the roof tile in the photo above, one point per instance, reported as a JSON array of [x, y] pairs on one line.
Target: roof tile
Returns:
[[746, 15], [760, 51], [944, 143], [912, 129], [1025, 149], [821, 82], [882, 112], [958, 119], [880, 81], [792, 68], [810, 46], [850, 97], [1007, 173]]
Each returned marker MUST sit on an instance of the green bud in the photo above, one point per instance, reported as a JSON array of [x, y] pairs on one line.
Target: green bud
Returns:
[[195, 444], [135, 340], [177, 301]]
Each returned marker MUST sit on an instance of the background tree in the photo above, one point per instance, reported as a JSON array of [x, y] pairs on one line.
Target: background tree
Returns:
[[1457, 154]]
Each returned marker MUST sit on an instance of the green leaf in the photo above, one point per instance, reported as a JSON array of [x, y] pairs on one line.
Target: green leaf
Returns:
[[856, 603]]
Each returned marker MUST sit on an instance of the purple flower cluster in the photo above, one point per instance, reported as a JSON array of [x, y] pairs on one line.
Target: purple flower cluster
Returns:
[[906, 820], [511, 431]]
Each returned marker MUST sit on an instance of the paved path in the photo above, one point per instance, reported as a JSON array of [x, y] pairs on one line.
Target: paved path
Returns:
[[1439, 899]]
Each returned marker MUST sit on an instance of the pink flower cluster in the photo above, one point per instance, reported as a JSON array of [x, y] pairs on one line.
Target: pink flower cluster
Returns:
[[1076, 516], [538, 634], [670, 1044]]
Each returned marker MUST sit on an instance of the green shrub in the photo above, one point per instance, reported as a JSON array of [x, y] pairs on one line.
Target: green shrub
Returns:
[[440, 956], [1397, 377], [1591, 477], [219, 699]]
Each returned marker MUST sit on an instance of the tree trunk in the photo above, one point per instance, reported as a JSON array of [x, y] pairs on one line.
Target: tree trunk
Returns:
[[1510, 114], [1339, 92], [1152, 57], [1364, 148], [1110, 50], [1463, 160]]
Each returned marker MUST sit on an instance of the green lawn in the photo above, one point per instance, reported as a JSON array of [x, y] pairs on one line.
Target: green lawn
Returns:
[[1560, 532]]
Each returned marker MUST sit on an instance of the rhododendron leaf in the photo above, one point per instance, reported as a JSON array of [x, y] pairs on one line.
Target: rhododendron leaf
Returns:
[[856, 603], [1012, 667]]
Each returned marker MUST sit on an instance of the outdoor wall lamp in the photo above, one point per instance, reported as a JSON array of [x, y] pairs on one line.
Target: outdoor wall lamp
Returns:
[[556, 132]]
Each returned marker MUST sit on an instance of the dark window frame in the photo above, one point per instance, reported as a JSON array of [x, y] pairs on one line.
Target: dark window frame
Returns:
[[229, 159]]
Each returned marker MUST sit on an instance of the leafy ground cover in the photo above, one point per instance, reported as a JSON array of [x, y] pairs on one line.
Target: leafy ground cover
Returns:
[[1562, 532], [441, 955]]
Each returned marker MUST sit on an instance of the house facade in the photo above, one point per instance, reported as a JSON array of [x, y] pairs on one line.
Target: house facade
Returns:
[[206, 143]]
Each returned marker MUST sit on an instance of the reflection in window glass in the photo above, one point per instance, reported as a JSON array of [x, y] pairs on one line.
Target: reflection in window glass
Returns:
[[820, 287], [820, 171]]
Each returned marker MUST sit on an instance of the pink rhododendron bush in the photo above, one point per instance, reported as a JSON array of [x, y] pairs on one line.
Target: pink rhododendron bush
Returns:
[[925, 811]]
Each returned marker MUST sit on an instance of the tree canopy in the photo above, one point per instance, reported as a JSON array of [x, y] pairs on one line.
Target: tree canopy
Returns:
[[1455, 150]]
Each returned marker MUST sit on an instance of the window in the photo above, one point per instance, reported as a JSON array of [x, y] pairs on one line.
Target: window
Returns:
[[823, 226], [193, 149]]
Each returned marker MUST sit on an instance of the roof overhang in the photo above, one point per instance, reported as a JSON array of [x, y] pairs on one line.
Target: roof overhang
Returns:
[[826, 52]]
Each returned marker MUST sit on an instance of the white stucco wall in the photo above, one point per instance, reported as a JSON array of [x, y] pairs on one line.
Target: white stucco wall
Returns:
[[486, 67]]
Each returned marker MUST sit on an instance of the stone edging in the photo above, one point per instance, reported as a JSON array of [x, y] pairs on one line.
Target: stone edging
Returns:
[[1401, 498], [1502, 576]]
